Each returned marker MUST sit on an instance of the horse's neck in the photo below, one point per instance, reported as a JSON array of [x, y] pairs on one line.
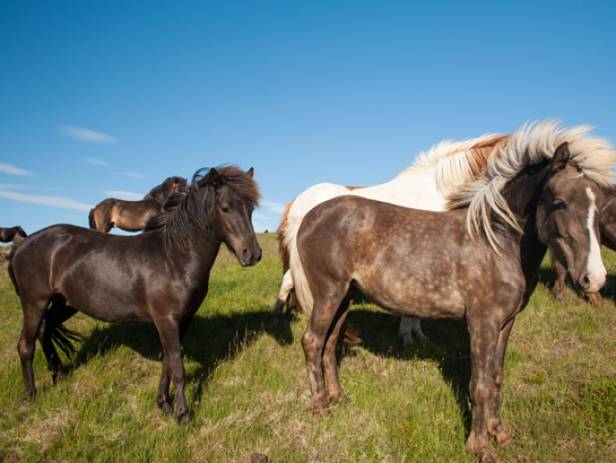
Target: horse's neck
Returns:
[[522, 195]]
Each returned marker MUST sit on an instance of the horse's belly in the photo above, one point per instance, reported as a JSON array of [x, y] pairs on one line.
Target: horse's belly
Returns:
[[414, 297]]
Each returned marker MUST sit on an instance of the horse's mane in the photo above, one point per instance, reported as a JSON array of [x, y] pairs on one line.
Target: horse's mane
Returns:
[[162, 192], [457, 162], [531, 144], [194, 207]]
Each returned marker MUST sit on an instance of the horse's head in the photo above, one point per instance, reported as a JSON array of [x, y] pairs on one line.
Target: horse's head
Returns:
[[568, 222], [176, 184], [236, 195]]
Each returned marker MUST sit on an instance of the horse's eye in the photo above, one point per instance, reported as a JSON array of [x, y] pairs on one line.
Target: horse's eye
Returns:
[[559, 205], [225, 209]]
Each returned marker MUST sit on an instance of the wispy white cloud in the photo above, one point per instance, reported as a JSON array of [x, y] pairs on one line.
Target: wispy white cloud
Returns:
[[86, 135], [15, 186], [132, 174], [96, 162], [128, 195], [13, 170], [52, 201], [273, 206]]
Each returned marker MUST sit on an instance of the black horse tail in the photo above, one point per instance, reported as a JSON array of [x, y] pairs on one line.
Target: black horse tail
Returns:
[[63, 338], [59, 334], [91, 220]]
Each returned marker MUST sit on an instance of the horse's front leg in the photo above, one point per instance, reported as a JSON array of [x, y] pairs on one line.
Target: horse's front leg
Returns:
[[561, 275], [173, 367], [484, 339], [495, 427]]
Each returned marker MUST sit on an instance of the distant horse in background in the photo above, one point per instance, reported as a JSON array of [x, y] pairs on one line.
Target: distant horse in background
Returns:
[[423, 185], [607, 229], [14, 234], [170, 185], [133, 215], [479, 261], [159, 276]]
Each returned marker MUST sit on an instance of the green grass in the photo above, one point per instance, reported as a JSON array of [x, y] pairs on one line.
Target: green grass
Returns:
[[248, 389]]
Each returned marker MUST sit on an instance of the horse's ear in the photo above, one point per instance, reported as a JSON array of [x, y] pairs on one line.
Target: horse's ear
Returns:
[[561, 157], [213, 178], [251, 172]]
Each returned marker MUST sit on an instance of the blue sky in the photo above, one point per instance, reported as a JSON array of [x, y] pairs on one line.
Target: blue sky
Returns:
[[100, 98]]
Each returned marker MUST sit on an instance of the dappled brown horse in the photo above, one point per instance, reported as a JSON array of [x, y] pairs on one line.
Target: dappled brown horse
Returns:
[[133, 215], [607, 231], [12, 234], [159, 276], [479, 262]]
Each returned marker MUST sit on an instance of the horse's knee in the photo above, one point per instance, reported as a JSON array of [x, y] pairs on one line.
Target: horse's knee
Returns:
[[25, 349]]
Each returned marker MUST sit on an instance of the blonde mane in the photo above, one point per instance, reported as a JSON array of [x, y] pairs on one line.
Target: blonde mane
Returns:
[[531, 144], [456, 162]]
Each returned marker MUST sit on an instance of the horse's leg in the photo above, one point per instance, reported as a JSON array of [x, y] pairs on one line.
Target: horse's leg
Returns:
[[33, 312], [561, 275], [173, 367], [57, 314], [484, 338], [283, 293], [330, 365], [408, 326], [326, 305], [495, 427]]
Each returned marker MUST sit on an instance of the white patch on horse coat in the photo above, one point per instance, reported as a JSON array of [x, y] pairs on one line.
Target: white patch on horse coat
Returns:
[[594, 267]]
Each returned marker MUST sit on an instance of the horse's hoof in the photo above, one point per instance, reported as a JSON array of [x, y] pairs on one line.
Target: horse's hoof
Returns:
[[338, 397], [319, 407], [165, 407], [182, 417], [481, 449], [503, 439], [595, 298], [57, 377]]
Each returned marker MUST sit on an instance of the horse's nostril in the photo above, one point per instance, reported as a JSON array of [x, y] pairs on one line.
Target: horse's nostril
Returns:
[[585, 282]]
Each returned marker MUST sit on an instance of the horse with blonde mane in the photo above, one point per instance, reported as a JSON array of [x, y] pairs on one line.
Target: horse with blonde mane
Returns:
[[477, 261], [423, 185]]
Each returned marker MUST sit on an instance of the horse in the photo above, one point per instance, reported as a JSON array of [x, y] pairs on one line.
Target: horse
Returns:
[[160, 193], [13, 235], [478, 261], [159, 276], [133, 215], [607, 229], [423, 185]]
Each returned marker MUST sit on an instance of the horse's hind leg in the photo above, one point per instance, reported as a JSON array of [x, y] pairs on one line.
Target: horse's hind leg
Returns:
[[408, 326], [325, 308], [330, 365], [33, 312], [57, 314], [173, 367], [283, 293]]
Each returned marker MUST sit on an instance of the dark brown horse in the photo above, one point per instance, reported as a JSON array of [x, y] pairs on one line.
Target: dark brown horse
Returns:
[[133, 215], [480, 262], [607, 229], [160, 276], [14, 234]]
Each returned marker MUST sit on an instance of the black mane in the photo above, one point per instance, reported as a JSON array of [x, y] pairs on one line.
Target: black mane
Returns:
[[193, 208]]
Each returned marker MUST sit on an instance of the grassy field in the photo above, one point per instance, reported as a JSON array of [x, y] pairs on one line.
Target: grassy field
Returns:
[[248, 390]]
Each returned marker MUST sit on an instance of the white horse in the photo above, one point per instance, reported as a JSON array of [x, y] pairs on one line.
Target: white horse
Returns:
[[423, 185]]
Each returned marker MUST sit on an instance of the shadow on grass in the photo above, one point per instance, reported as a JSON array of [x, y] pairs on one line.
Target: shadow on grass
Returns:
[[449, 346], [208, 340]]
